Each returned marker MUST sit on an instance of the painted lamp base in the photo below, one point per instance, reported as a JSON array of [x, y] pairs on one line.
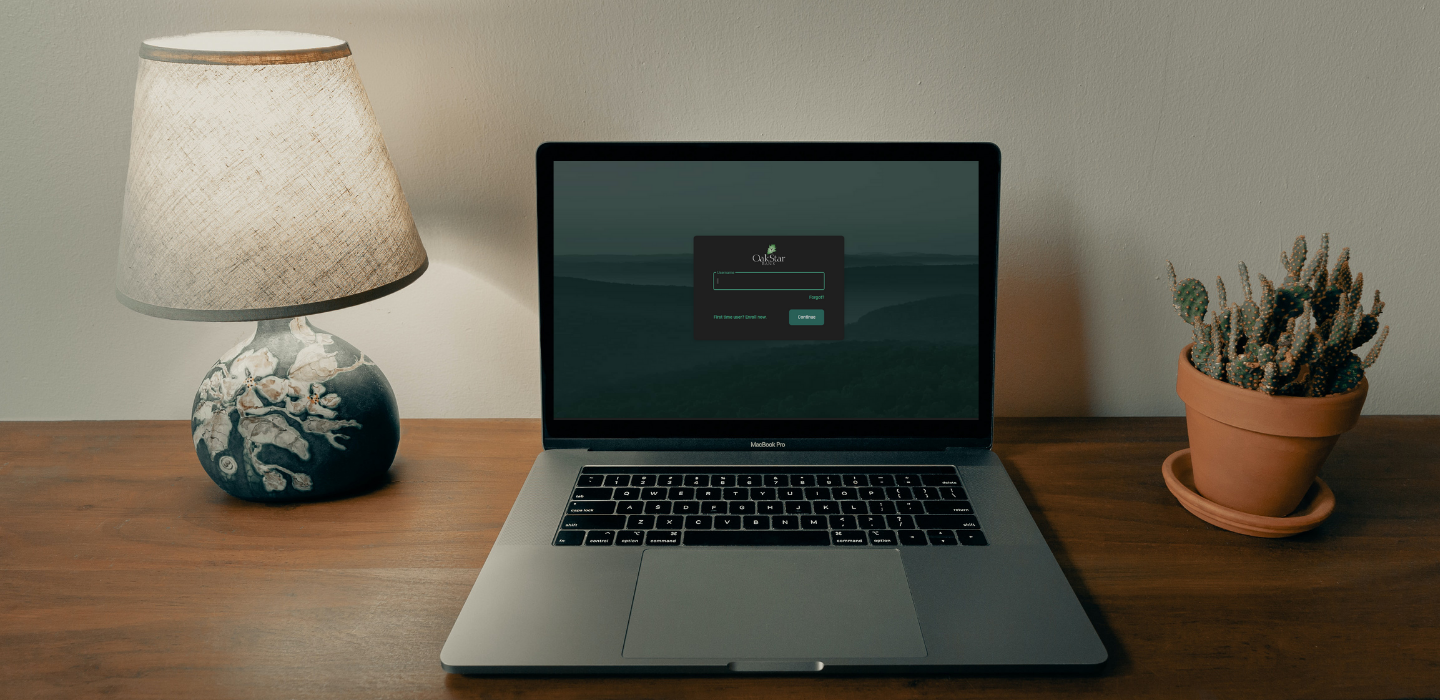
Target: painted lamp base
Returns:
[[293, 413]]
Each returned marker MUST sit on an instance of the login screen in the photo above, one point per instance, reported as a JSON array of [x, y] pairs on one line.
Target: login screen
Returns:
[[769, 287]]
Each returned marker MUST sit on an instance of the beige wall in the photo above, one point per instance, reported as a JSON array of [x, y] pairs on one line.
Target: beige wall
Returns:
[[1132, 133]]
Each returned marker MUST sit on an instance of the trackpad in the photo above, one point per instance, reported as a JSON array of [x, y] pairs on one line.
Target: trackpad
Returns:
[[694, 603]]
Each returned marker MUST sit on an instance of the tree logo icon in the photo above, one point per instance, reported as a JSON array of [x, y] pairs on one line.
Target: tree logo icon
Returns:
[[771, 249]]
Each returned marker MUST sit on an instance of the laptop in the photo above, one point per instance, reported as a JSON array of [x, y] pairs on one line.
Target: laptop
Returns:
[[768, 378]]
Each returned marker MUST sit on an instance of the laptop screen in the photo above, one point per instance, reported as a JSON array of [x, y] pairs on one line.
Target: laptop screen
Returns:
[[786, 290]]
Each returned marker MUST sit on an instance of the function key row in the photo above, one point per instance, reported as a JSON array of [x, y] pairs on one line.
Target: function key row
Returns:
[[770, 480], [766, 493], [879, 537]]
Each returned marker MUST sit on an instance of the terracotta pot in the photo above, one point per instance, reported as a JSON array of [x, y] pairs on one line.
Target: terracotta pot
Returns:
[[1254, 452]]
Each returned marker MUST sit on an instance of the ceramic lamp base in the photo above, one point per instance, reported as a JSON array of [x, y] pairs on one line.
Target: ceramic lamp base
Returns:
[[293, 413]]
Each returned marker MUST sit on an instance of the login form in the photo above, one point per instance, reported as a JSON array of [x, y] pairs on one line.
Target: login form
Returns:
[[769, 287]]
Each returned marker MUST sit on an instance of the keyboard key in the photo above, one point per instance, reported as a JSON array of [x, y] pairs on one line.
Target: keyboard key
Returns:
[[948, 508], [882, 537], [802, 480], [697, 480], [882, 507], [643, 480], [591, 507], [591, 480], [940, 480], [727, 522], [762, 494], [907, 479], [701, 538], [827, 480], [953, 493], [617, 480], [749, 480], [900, 522], [681, 493], [630, 507], [710, 494], [855, 480], [909, 507], [777, 480], [657, 507], [797, 507], [926, 493], [669, 522], [630, 493], [569, 538], [941, 537], [742, 507], [843, 494], [629, 538], [843, 522], [882, 480], [711, 507], [791, 494], [897, 493], [592, 494], [785, 522], [668, 480], [817, 494], [697, 522], [686, 507], [756, 522], [872, 522], [852, 507], [722, 480], [640, 522], [739, 494], [972, 538], [826, 507], [662, 537], [599, 538], [813, 522], [949, 522], [848, 537], [592, 522], [652, 494], [912, 538], [872, 493], [769, 507]]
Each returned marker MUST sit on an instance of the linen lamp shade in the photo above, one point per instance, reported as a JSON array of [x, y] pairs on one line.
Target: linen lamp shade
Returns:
[[259, 185]]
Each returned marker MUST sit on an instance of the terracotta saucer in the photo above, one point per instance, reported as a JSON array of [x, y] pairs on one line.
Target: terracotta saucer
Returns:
[[1318, 504]]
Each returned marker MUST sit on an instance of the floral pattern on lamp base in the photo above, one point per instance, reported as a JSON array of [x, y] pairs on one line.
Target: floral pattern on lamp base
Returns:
[[294, 413]]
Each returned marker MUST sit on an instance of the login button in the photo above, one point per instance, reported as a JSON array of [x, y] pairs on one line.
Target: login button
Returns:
[[807, 317]]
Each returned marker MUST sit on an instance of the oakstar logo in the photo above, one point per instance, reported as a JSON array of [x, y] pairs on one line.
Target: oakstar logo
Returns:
[[769, 258]]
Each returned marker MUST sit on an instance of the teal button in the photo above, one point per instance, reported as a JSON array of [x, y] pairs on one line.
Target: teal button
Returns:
[[807, 317]]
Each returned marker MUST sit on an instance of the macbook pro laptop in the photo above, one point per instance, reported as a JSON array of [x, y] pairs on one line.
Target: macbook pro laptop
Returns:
[[768, 387]]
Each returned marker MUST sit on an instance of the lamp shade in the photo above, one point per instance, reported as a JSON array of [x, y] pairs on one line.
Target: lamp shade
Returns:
[[259, 184]]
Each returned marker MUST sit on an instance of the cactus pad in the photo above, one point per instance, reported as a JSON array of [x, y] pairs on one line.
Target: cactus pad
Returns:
[[1191, 300]]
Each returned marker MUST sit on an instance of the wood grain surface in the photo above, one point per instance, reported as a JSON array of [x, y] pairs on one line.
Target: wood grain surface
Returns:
[[125, 573]]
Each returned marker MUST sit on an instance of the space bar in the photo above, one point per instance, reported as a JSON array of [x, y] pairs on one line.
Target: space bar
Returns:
[[756, 537]]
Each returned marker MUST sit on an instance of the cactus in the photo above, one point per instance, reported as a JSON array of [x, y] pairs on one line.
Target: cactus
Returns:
[[1295, 339]]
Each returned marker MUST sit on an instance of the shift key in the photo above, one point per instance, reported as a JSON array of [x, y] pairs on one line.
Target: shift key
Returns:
[[592, 522]]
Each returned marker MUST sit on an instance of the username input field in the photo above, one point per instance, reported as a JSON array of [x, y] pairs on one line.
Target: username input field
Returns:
[[768, 281]]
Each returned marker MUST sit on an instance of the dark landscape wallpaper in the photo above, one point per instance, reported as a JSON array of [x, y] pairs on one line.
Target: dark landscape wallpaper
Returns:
[[624, 345]]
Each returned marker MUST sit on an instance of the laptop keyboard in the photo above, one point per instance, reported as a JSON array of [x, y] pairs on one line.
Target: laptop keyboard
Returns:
[[883, 506]]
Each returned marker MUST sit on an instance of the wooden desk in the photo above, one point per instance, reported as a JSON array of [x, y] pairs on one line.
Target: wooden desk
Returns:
[[125, 572]]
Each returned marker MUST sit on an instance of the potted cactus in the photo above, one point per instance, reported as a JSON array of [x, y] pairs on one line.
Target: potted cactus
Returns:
[[1271, 382]]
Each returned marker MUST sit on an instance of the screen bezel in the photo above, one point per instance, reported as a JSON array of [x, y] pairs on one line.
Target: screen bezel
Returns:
[[726, 434]]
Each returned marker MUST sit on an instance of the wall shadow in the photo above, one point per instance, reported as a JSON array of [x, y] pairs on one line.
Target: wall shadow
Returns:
[[1041, 361]]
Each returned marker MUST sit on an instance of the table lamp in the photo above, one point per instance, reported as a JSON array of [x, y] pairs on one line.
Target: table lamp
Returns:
[[260, 189]]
